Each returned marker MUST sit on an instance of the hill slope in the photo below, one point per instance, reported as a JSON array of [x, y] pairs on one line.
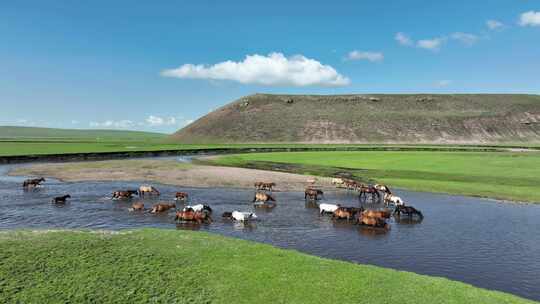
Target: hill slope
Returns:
[[425, 118], [21, 133]]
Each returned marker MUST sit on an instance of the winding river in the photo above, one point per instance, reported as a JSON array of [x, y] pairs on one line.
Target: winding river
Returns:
[[486, 243]]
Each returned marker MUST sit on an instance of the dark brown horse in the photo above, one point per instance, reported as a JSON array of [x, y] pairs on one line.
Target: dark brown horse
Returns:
[[193, 216], [346, 212], [407, 210], [365, 190], [61, 199], [162, 207], [312, 193], [181, 196], [33, 182], [124, 194]]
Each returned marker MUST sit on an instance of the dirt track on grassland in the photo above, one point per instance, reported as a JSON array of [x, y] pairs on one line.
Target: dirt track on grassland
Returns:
[[167, 172]]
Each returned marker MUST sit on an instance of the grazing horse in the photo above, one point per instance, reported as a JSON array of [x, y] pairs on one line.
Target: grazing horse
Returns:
[[198, 207], [161, 207], [193, 216], [33, 182], [377, 213], [328, 208], [243, 216], [148, 189], [311, 180], [137, 207], [61, 199], [407, 210], [263, 197], [375, 222], [181, 196], [346, 212], [382, 188], [313, 194], [264, 186], [365, 190], [390, 198], [124, 194]]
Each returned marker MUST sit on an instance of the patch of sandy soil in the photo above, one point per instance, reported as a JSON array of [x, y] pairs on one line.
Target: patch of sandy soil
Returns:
[[169, 172]]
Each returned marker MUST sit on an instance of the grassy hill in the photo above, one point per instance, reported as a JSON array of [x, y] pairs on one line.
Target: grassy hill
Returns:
[[413, 118], [33, 133]]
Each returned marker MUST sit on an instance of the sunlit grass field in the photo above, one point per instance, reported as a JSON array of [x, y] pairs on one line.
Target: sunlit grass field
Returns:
[[169, 266], [505, 175]]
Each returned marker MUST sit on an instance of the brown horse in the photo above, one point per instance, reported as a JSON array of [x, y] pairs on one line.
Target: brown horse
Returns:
[[148, 189], [181, 196], [193, 216], [263, 197], [375, 222], [385, 214], [312, 193], [264, 186], [346, 212], [407, 210], [137, 207], [365, 190], [33, 182], [161, 207], [124, 194], [350, 184], [61, 199]]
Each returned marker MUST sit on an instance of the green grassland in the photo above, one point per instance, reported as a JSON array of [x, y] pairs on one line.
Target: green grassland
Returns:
[[168, 266], [504, 175], [37, 134]]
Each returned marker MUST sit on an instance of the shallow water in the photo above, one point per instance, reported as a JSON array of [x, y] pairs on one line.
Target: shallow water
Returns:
[[482, 242]]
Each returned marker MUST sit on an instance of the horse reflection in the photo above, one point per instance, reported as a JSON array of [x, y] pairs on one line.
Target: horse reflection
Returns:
[[407, 220]]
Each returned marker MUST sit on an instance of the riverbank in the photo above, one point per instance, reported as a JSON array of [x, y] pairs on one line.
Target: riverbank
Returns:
[[166, 171], [512, 176], [168, 266]]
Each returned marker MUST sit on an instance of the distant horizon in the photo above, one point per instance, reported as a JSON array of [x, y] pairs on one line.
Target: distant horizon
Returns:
[[159, 66]]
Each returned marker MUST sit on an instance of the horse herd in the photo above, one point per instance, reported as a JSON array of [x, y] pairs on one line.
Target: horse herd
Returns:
[[264, 198]]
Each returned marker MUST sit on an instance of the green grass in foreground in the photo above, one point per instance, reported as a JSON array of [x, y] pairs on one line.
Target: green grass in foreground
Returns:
[[168, 266], [504, 175]]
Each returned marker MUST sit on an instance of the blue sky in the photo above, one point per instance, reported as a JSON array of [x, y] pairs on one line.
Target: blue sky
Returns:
[[157, 65]]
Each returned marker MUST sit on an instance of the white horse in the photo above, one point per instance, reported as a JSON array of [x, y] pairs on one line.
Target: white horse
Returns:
[[382, 188], [148, 189], [329, 208], [243, 216], [198, 208], [390, 198], [337, 181]]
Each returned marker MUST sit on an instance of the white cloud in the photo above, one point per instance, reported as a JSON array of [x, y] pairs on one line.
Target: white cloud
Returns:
[[530, 18], [444, 83], [187, 122], [274, 69], [370, 56], [74, 122], [465, 38], [494, 24], [120, 124], [431, 44], [403, 39], [160, 121]]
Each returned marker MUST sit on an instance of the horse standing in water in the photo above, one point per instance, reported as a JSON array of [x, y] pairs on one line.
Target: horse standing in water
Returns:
[[61, 199], [124, 194], [193, 216], [264, 186], [407, 210], [365, 190], [161, 207], [180, 196], [382, 188], [374, 222], [148, 189], [33, 182], [263, 197], [346, 212], [313, 194]]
